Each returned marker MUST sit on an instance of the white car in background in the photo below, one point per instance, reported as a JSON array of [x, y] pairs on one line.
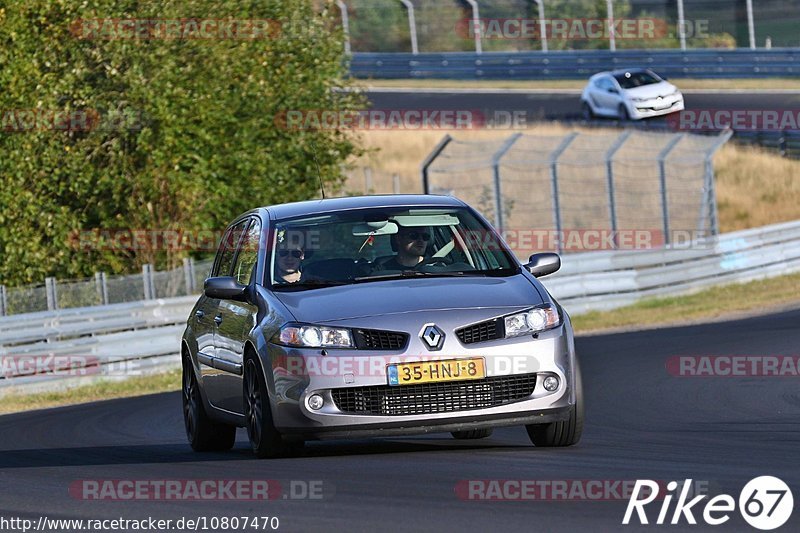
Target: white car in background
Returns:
[[631, 94]]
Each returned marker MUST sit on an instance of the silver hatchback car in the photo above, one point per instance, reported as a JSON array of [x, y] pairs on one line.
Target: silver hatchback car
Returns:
[[373, 316]]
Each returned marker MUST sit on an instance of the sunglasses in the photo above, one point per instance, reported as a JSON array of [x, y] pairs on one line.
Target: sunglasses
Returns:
[[297, 254], [418, 235]]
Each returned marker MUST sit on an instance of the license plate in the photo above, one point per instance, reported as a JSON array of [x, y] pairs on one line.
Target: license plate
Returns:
[[436, 371]]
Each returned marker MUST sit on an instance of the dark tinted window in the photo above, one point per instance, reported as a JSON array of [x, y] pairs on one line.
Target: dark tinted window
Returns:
[[227, 249], [248, 253], [636, 78]]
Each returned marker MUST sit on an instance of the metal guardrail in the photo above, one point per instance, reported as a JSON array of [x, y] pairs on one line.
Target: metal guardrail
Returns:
[[706, 63], [148, 332], [607, 280]]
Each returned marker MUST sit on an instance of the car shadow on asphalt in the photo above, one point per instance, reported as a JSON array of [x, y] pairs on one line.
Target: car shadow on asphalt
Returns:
[[181, 453]]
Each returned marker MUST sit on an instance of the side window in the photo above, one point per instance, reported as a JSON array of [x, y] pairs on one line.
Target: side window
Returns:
[[248, 253], [227, 249]]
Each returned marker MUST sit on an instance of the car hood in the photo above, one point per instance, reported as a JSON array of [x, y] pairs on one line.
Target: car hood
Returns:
[[409, 295], [651, 91]]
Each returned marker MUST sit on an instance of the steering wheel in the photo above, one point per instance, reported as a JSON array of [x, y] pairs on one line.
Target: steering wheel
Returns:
[[435, 262]]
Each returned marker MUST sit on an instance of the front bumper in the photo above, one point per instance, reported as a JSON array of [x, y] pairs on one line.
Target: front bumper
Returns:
[[299, 373], [654, 108]]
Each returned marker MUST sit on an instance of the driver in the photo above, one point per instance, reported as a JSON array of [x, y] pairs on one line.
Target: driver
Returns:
[[411, 244]]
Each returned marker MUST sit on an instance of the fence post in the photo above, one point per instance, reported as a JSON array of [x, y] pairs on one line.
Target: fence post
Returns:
[[147, 282], [437, 150], [188, 272], [498, 193], [662, 176], [367, 179], [3, 301], [52, 295], [542, 24], [102, 287], [396, 183], [612, 204], [345, 25], [553, 160], [476, 26], [612, 41], [412, 25], [710, 186], [681, 25]]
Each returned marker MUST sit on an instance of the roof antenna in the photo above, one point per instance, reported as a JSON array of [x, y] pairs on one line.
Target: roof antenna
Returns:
[[319, 172]]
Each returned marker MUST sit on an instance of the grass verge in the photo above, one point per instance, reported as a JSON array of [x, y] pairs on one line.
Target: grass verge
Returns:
[[100, 390], [724, 301], [686, 84]]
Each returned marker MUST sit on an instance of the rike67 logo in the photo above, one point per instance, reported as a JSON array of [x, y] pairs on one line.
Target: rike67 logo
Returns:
[[765, 503]]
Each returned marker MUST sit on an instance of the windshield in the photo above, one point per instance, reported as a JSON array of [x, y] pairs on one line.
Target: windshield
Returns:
[[378, 244], [637, 78]]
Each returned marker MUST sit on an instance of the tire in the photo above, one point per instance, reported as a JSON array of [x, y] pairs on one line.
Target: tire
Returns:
[[472, 434], [586, 111], [566, 432], [622, 113], [204, 434], [265, 440]]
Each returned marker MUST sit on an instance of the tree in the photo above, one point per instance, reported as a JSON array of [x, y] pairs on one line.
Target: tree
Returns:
[[182, 133]]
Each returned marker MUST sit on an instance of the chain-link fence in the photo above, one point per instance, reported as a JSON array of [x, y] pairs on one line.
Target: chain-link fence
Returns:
[[103, 289], [553, 188], [509, 25]]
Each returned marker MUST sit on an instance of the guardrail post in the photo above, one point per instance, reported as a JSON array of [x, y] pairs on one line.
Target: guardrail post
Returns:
[[147, 282], [553, 160], [102, 287], [612, 204], [52, 294], [3, 301], [188, 273], [498, 193], [437, 150]]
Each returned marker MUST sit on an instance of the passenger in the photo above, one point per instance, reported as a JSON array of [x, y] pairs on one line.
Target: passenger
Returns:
[[410, 245]]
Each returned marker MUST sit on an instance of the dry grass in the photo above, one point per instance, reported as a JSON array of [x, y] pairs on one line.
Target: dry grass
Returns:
[[754, 187]]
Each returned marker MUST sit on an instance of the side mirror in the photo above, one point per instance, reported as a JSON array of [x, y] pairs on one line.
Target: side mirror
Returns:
[[225, 288], [543, 264], [613, 90]]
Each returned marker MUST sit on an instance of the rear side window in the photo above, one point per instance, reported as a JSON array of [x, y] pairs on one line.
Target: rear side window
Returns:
[[227, 249], [248, 254]]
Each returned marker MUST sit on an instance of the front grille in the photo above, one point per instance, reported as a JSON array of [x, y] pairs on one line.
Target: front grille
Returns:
[[483, 331], [373, 339], [427, 398]]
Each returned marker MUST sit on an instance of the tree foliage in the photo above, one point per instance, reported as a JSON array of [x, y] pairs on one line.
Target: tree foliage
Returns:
[[195, 140]]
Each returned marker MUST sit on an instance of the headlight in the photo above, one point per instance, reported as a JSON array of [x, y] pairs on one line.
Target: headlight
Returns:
[[310, 336], [531, 321], [640, 100]]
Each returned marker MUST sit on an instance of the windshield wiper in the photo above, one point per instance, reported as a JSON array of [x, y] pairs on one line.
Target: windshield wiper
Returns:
[[309, 284], [416, 274]]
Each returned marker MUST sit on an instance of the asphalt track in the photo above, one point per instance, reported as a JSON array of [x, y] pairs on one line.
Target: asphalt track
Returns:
[[542, 105], [642, 422]]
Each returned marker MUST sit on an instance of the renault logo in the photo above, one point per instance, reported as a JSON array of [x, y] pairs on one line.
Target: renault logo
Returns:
[[432, 336]]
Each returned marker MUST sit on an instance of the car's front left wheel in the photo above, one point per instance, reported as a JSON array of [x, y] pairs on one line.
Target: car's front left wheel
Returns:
[[204, 434], [265, 440]]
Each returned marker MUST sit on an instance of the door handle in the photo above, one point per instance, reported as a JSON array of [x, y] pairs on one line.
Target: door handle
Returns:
[[218, 320], [200, 314]]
